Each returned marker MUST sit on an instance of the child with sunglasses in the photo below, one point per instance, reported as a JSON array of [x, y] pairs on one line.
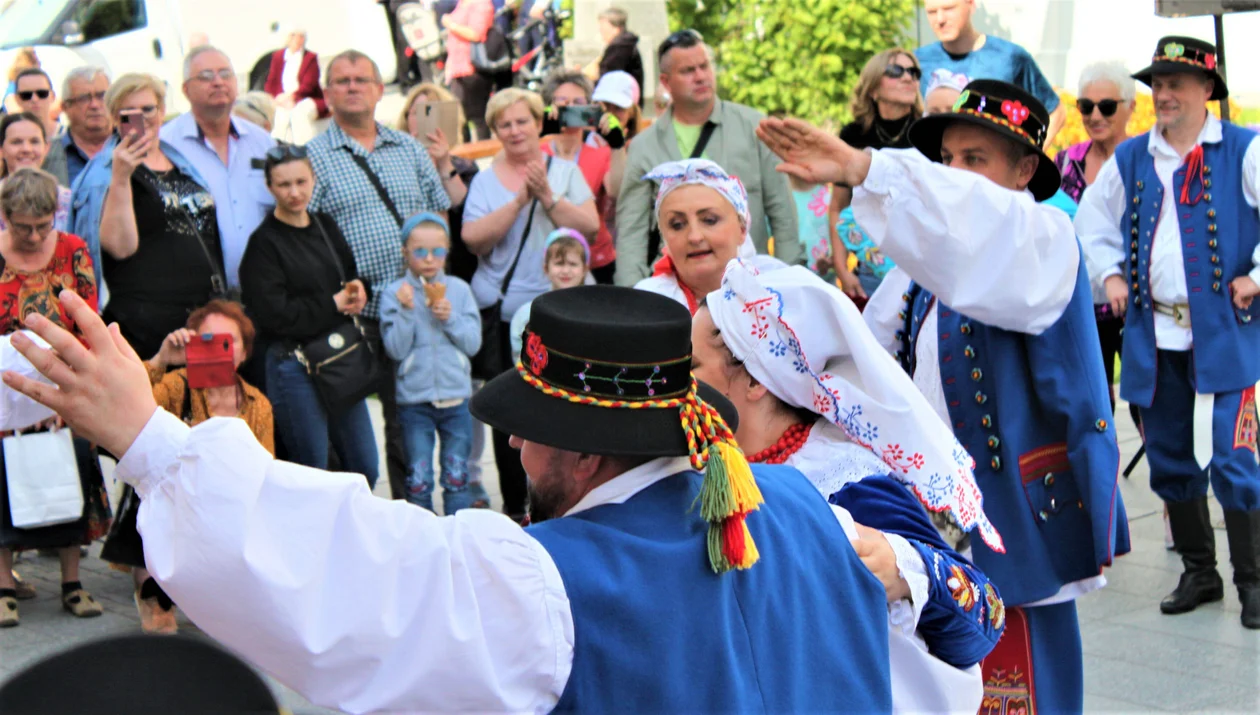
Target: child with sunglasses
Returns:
[[431, 326]]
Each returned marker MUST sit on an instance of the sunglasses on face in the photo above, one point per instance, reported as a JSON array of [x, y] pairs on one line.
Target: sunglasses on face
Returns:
[[30, 94], [85, 97], [1107, 107], [423, 253], [682, 38], [208, 75], [896, 71]]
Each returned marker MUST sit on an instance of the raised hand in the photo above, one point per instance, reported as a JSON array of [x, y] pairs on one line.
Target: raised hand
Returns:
[[406, 296], [130, 153], [172, 350], [813, 155], [102, 390]]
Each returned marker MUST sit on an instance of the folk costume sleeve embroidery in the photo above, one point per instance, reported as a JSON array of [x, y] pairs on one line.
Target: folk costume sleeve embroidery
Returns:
[[988, 252]]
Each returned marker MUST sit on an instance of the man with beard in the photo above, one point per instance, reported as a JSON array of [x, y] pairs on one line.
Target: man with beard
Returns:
[[1170, 228], [664, 574], [87, 123], [223, 149]]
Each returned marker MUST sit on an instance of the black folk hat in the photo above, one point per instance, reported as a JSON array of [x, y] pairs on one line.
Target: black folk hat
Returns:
[[593, 359], [1176, 54], [1005, 109]]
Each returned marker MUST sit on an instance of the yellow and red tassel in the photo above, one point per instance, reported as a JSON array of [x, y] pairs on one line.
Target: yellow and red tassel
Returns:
[[728, 494]]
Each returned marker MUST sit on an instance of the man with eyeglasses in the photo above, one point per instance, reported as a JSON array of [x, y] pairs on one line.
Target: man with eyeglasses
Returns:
[[88, 124], [963, 49], [224, 150], [370, 179], [1171, 229], [35, 95], [698, 124]]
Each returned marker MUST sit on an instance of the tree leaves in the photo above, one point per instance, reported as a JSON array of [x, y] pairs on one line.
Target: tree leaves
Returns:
[[801, 57]]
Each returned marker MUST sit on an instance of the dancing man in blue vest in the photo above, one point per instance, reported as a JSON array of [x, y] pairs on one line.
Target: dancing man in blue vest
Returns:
[[1171, 230], [664, 575], [990, 311]]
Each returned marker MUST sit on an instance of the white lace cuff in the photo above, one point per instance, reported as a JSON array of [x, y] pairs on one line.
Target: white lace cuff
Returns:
[[904, 615]]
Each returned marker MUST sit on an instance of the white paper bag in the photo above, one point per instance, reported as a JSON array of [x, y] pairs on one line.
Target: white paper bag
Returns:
[[17, 411], [43, 479]]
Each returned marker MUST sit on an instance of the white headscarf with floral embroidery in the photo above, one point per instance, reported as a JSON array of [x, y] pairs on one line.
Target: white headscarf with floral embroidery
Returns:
[[674, 174], [806, 342]]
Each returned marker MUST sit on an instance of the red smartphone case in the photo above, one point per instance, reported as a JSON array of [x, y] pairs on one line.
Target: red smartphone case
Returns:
[[210, 361]]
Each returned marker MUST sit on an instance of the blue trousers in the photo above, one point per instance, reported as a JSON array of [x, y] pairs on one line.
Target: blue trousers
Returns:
[[306, 429], [421, 424], [1168, 427]]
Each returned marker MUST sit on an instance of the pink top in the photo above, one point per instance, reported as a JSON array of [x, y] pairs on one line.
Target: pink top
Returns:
[[476, 15], [595, 162]]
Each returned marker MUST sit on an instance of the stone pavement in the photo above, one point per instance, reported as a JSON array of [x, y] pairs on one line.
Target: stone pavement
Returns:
[[1136, 660]]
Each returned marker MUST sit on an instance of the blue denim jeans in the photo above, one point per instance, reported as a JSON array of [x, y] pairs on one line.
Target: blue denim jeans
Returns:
[[421, 423], [306, 429]]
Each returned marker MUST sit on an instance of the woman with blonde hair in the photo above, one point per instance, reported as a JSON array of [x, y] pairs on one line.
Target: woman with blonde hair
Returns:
[[460, 262]]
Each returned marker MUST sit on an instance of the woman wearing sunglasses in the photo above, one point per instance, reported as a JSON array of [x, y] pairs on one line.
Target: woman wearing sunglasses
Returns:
[[1106, 100], [291, 280], [885, 103]]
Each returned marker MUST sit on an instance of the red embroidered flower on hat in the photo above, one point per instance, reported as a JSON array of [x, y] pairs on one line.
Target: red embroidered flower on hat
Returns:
[[537, 354], [1209, 61], [1015, 111]]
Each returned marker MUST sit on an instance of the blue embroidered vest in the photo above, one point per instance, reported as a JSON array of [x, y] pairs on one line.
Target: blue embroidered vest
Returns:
[[1218, 235], [655, 630], [1034, 412]]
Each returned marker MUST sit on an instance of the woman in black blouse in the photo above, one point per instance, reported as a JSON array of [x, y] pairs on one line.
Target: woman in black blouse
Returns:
[[159, 232], [884, 105], [293, 288]]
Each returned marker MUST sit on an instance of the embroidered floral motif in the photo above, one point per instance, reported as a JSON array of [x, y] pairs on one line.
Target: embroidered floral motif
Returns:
[[962, 589], [777, 348], [1006, 693], [962, 99], [1015, 111], [1174, 49], [818, 201], [536, 352], [997, 609], [1209, 61], [761, 321], [1245, 423]]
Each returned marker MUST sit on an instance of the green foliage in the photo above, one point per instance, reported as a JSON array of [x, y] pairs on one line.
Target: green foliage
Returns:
[[801, 57]]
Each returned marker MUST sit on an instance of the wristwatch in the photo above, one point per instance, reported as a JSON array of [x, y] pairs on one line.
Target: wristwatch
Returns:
[[453, 174]]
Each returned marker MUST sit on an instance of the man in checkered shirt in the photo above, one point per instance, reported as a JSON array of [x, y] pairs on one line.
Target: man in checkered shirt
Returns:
[[344, 191]]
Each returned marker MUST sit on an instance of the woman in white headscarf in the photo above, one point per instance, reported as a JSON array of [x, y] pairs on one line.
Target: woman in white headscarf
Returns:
[[815, 391], [703, 217]]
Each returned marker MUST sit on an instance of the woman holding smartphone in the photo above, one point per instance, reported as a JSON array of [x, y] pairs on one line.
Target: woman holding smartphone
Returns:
[[148, 215], [173, 392]]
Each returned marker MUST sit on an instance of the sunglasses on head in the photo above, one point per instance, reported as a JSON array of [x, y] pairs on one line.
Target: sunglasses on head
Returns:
[[1107, 107], [280, 152], [30, 94], [896, 71], [423, 253], [682, 38]]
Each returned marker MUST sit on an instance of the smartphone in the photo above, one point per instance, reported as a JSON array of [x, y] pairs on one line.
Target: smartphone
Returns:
[[437, 115], [210, 361], [581, 115], [131, 124]]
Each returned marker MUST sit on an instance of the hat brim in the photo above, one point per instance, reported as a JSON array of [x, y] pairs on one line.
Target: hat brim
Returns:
[[510, 405], [926, 133], [1219, 89]]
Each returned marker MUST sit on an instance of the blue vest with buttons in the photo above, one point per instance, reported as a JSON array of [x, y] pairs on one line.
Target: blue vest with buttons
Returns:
[[1218, 235], [656, 631], [1034, 412]]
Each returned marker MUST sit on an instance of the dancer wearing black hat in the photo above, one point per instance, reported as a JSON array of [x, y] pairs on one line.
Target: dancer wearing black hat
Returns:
[[997, 330], [664, 575], [1170, 227]]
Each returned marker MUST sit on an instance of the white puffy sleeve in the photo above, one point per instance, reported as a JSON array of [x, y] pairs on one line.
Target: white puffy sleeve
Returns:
[[356, 602], [990, 253]]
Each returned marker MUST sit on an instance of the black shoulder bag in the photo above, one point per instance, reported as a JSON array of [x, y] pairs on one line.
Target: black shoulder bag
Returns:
[[654, 231], [376, 184], [491, 359], [340, 362]]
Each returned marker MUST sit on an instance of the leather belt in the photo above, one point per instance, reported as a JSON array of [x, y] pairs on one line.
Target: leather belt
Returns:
[[1180, 312]]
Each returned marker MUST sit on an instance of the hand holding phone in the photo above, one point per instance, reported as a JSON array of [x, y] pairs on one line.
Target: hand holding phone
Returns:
[[131, 123], [210, 361], [580, 115]]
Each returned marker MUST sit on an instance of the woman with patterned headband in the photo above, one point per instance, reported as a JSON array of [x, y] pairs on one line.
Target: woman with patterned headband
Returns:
[[815, 391], [703, 215]]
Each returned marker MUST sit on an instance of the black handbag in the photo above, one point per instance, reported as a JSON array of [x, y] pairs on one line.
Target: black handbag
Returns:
[[491, 360], [340, 362], [491, 56]]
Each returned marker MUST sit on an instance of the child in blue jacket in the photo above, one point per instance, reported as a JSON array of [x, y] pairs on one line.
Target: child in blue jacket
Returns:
[[431, 326]]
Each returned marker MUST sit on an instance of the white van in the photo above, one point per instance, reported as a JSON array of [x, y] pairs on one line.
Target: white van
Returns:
[[152, 35]]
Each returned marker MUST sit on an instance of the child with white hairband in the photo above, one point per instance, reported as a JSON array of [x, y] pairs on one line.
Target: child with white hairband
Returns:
[[566, 263]]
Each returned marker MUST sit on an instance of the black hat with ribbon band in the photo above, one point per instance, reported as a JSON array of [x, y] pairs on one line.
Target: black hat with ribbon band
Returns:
[[1176, 54], [1005, 109], [607, 371]]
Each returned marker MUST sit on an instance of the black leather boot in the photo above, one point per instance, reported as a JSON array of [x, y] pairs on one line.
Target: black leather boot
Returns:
[[1243, 529], [1192, 532]]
